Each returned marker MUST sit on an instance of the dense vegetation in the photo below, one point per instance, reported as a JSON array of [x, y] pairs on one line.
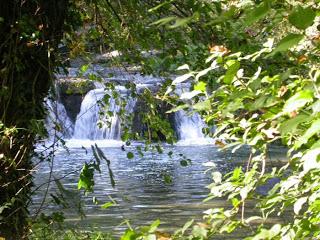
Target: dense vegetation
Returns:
[[254, 73], [30, 31]]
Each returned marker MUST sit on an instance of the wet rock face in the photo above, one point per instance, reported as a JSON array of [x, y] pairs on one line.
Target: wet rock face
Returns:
[[72, 91], [72, 104]]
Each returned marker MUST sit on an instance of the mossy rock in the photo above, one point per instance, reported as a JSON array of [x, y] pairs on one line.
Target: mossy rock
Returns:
[[75, 86], [72, 91]]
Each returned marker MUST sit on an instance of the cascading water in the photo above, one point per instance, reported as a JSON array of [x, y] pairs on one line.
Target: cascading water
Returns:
[[188, 127], [92, 122], [58, 123], [99, 121]]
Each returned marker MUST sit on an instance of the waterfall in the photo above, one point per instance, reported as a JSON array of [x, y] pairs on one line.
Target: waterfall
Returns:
[[188, 127], [100, 121], [97, 120], [99, 116], [57, 122]]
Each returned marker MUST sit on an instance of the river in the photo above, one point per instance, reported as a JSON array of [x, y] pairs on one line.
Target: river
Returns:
[[141, 193]]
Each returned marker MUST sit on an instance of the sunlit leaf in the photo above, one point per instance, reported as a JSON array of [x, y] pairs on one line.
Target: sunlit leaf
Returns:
[[298, 204], [129, 235], [217, 177], [187, 225], [204, 105], [189, 95], [200, 86], [203, 72], [182, 78], [184, 67], [86, 180], [310, 160], [233, 67], [159, 6], [154, 226], [199, 232], [178, 108], [298, 100], [107, 205], [312, 130], [181, 22], [291, 125], [163, 21]]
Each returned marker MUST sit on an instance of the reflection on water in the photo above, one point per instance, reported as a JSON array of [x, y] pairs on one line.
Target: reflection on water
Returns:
[[141, 193]]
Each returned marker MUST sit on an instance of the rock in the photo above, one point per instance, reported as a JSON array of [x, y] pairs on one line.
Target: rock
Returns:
[[72, 91], [75, 86]]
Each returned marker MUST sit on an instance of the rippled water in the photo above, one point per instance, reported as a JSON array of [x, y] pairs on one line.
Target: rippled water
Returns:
[[141, 193]]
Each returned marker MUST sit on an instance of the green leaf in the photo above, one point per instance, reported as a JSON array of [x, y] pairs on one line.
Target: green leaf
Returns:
[[154, 226], [297, 101], [129, 235], [107, 205], [178, 108], [187, 225], [257, 13], [229, 227], [291, 125], [253, 218], [237, 173], [258, 103], [233, 67], [159, 6], [130, 155], [244, 192], [184, 163], [181, 22], [86, 180], [83, 69], [200, 106], [167, 179], [301, 17], [200, 86], [287, 42], [314, 129], [101, 155], [199, 232], [163, 21]]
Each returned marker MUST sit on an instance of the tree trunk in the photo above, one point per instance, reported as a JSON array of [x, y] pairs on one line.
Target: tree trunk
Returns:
[[29, 31]]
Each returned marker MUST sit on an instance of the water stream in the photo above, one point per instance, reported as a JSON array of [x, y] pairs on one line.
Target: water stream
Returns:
[[141, 192]]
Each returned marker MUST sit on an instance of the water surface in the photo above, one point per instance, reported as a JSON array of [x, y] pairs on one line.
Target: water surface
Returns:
[[142, 194]]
